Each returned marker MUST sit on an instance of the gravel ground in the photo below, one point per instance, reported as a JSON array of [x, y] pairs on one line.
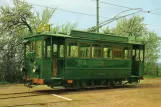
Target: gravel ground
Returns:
[[146, 94]]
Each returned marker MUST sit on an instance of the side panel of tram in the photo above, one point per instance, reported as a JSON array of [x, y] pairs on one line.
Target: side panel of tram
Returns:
[[60, 61], [97, 60]]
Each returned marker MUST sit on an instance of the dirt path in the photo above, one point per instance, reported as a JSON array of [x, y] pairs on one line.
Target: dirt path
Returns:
[[146, 94]]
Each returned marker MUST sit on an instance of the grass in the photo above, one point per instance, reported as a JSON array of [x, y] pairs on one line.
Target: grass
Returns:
[[151, 76], [3, 83]]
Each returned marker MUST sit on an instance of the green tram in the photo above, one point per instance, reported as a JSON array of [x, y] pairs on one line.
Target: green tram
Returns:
[[82, 59]]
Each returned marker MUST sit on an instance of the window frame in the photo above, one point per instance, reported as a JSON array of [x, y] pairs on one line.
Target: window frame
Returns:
[[59, 53], [84, 43], [40, 50], [129, 53], [92, 51], [107, 45], [117, 47], [67, 53]]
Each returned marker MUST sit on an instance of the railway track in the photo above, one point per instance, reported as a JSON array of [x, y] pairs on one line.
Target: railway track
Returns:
[[19, 96]]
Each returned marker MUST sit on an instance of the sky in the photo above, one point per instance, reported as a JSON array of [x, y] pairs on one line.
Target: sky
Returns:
[[89, 7]]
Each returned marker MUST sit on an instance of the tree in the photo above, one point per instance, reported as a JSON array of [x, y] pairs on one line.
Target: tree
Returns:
[[16, 17], [38, 20], [65, 28], [134, 26], [152, 51], [16, 23], [106, 30]]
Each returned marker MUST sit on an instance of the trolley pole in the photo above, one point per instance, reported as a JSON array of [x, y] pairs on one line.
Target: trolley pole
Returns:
[[97, 11]]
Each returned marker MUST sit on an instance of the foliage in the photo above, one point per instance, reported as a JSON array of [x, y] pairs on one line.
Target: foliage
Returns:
[[38, 20], [65, 28], [16, 17], [134, 26], [17, 22], [152, 50], [106, 30], [151, 76]]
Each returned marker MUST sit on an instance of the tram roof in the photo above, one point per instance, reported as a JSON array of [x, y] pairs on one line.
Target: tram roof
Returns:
[[91, 36]]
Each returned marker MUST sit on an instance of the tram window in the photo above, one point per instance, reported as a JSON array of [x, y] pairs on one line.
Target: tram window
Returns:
[[84, 50], [72, 50], [141, 55], [47, 48], [117, 53], [133, 52], [55, 49], [107, 52], [38, 49], [61, 51], [137, 55], [126, 53], [48, 51], [96, 51], [30, 47]]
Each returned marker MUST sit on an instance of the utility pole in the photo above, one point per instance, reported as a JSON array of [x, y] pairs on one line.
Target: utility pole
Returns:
[[97, 11]]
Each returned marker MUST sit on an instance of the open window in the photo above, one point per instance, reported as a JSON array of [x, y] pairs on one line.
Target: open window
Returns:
[[61, 50], [84, 50], [126, 53], [39, 49], [107, 52], [96, 51], [29, 47], [138, 53], [118, 52], [55, 49], [58, 48], [72, 49], [47, 47]]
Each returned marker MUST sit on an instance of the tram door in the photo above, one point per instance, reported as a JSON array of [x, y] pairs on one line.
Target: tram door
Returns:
[[55, 58], [138, 60], [58, 55], [47, 62]]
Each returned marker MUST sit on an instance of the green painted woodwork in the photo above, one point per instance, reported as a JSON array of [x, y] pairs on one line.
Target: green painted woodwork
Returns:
[[47, 69], [141, 69], [98, 36], [77, 68], [82, 69]]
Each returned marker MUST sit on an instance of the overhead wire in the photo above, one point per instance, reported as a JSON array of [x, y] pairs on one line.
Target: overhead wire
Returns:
[[115, 18], [114, 5], [118, 17], [140, 11], [155, 9], [101, 16], [128, 7], [69, 11]]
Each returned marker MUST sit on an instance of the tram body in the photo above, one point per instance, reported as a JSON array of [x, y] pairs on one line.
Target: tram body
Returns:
[[82, 59]]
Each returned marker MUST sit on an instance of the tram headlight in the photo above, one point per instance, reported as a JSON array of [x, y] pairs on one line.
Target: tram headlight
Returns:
[[23, 69], [35, 69]]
